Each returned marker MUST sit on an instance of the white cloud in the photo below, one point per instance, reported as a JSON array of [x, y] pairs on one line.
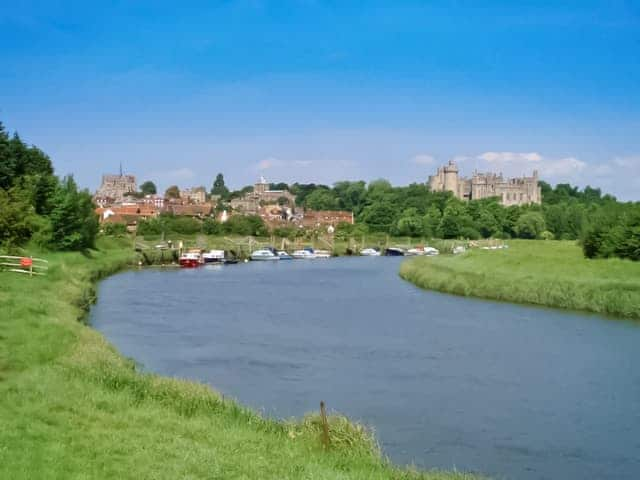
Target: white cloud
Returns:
[[506, 157], [562, 167], [268, 163], [423, 159], [632, 161]]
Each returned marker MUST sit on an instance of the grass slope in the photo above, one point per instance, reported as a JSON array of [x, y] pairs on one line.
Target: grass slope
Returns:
[[550, 273], [71, 407]]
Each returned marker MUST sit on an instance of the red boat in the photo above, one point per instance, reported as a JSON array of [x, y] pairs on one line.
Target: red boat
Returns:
[[190, 260]]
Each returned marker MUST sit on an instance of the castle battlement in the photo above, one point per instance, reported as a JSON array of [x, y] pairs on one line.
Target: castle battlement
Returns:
[[511, 191]]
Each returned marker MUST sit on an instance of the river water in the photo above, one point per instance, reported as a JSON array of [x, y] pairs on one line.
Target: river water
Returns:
[[511, 391]]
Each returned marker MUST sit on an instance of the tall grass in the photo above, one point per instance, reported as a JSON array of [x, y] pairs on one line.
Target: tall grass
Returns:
[[72, 407], [549, 273]]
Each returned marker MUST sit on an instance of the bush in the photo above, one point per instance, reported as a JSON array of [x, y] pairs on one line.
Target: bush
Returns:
[[114, 229]]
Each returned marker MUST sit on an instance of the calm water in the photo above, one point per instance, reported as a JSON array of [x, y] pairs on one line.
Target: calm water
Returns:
[[511, 391]]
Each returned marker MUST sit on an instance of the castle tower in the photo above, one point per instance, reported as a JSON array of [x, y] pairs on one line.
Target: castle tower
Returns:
[[451, 177]]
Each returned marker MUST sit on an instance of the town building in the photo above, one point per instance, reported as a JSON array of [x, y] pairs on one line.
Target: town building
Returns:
[[326, 218], [194, 195], [114, 188], [261, 195], [510, 191]]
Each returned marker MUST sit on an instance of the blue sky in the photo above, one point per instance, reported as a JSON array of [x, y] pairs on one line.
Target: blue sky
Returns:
[[324, 91]]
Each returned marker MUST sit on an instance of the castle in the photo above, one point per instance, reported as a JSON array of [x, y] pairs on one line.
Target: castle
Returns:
[[511, 191]]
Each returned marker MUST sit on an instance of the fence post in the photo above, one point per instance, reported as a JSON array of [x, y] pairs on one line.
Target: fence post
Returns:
[[325, 425]]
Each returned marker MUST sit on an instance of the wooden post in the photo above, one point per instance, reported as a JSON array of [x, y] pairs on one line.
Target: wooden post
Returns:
[[325, 426]]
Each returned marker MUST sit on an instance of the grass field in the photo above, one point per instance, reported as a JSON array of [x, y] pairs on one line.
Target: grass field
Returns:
[[72, 408], [550, 273]]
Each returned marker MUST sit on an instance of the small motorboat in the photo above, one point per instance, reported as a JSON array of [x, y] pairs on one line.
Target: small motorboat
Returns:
[[430, 251], [370, 252], [322, 253], [418, 251], [284, 255], [306, 254], [213, 256], [394, 252], [190, 260], [264, 254]]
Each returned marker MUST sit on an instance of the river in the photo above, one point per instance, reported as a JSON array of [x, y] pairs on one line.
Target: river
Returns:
[[446, 382]]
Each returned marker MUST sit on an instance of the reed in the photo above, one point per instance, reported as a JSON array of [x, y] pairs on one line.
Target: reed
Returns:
[[549, 273], [72, 407]]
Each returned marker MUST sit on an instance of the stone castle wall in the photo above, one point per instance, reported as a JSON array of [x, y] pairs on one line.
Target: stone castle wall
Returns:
[[511, 191]]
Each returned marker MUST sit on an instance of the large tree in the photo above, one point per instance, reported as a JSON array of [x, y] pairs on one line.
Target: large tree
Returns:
[[172, 192], [219, 188], [148, 188]]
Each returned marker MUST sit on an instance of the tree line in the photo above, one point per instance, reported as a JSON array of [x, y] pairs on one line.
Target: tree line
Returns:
[[36, 204]]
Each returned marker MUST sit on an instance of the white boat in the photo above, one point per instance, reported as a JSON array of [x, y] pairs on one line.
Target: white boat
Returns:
[[213, 256], [415, 251], [284, 255], [322, 253], [304, 254], [264, 254], [430, 251], [370, 252]]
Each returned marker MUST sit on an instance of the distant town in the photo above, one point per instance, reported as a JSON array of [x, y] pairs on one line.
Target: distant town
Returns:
[[120, 200]]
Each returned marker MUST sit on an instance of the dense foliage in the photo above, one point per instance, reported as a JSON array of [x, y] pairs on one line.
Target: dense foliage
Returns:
[[566, 212], [238, 225], [34, 203]]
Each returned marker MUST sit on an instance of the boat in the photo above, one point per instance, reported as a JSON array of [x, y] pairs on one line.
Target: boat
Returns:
[[213, 256], [284, 255], [264, 254], [394, 252], [322, 253], [190, 259], [418, 251], [430, 251], [305, 254], [370, 252]]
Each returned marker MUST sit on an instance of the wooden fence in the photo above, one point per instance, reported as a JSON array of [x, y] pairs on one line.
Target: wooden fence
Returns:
[[29, 265]]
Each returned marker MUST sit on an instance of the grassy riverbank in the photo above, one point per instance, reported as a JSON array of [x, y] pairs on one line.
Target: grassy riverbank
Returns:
[[72, 407], [550, 273]]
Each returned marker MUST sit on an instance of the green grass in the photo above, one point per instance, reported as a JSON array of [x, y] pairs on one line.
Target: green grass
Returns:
[[550, 273], [71, 407]]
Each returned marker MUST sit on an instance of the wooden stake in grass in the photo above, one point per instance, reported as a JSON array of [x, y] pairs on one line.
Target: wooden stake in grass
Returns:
[[325, 426]]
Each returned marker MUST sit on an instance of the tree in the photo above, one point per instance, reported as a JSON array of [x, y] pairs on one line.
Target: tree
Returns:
[[431, 222], [219, 188], [148, 188], [74, 224], [172, 192], [530, 225], [410, 223], [322, 199]]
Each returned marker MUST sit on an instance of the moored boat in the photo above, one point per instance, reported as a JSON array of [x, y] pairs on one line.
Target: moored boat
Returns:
[[213, 256], [370, 252], [284, 255], [322, 253], [394, 252], [190, 259], [305, 254], [264, 254]]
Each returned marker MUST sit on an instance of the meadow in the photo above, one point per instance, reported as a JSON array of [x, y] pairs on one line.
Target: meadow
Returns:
[[72, 407], [548, 273]]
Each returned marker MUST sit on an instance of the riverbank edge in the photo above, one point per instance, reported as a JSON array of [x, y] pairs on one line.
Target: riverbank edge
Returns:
[[428, 274], [93, 359]]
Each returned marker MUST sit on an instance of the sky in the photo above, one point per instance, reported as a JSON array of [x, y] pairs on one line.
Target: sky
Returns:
[[321, 91]]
